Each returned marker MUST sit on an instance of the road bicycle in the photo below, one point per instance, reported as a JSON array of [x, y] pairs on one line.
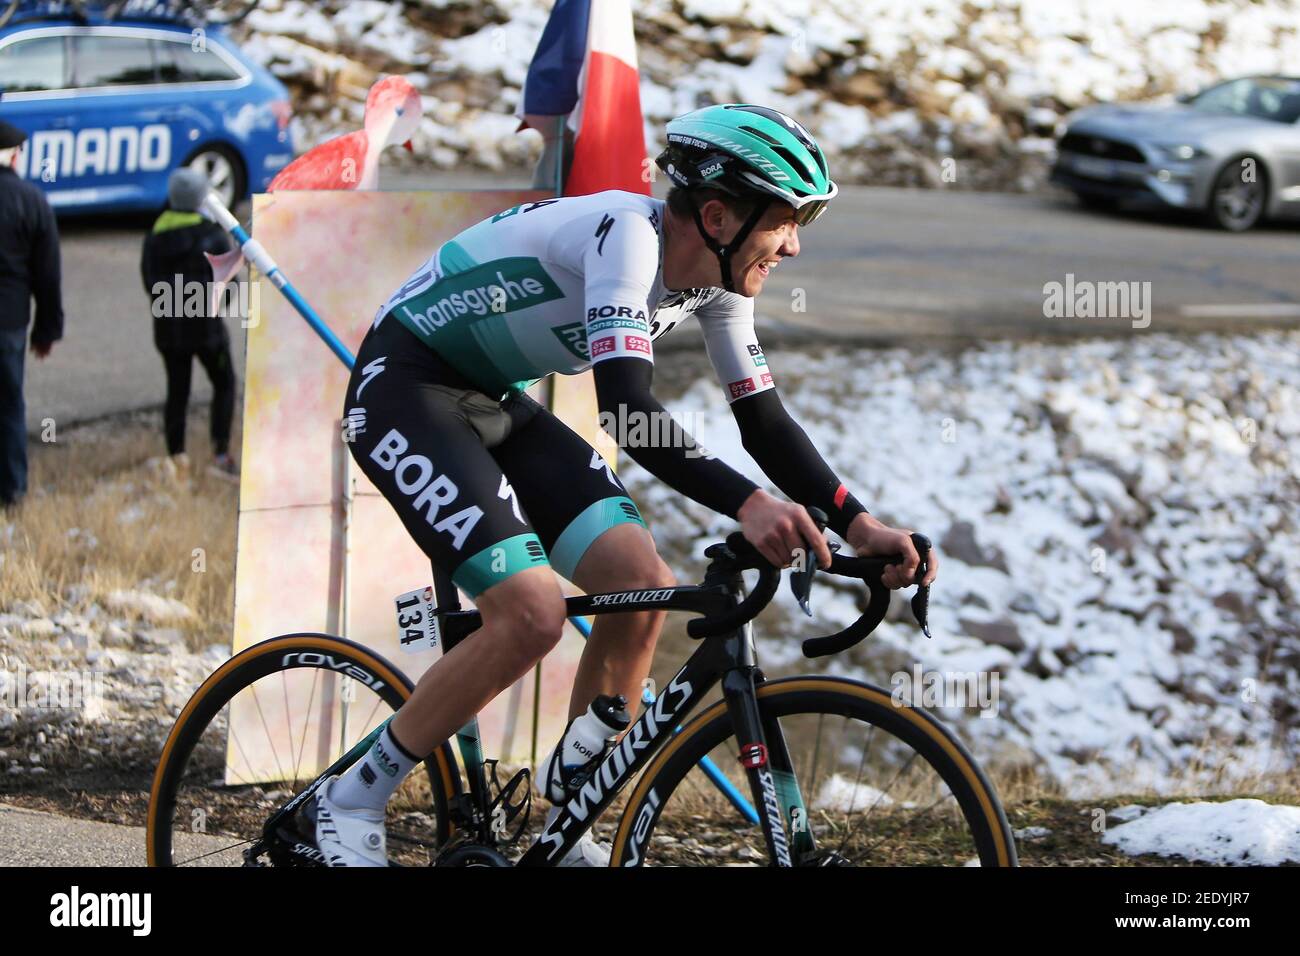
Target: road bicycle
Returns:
[[837, 772]]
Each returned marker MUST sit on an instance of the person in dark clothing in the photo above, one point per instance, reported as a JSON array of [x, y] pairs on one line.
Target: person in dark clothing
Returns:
[[29, 266], [174, 270]]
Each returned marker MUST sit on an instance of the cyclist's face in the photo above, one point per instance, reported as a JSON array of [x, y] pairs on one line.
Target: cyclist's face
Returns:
[[774, 238]]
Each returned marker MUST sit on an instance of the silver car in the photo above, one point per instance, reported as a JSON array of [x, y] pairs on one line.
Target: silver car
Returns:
[[1231, 152]]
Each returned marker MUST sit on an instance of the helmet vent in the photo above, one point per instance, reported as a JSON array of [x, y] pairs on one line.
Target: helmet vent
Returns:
[[795, 164], [760, 134]]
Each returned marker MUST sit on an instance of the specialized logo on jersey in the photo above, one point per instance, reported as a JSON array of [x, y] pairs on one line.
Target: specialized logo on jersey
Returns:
[[602, 233], [743, 387], [600, 464], [574, 338], [370, 372], [602, 345], [756, 353]]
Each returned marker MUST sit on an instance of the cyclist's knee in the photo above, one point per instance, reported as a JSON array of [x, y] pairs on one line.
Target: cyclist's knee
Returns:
[[623, 559], [642, 569], [529, 607]]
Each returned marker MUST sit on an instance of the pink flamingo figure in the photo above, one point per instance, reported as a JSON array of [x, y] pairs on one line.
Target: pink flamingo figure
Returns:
[[350, 161], [393, 112]]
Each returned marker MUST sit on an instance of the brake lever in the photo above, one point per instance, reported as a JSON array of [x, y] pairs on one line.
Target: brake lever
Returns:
[[801, 578], [921, 599]]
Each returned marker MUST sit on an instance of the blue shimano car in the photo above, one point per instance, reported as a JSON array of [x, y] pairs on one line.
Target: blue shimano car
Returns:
[[114, 100]]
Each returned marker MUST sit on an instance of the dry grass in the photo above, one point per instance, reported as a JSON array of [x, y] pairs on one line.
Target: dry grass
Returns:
[[101, 515]]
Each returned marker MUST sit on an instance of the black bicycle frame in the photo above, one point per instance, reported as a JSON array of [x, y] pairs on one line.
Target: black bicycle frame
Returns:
[[728, 658]]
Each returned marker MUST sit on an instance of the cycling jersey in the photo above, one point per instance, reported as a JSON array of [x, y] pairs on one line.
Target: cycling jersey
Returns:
[[560, 284], [489, 483]]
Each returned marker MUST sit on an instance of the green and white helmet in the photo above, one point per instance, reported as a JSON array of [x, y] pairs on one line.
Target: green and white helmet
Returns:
[[750, 152], [746, 150]]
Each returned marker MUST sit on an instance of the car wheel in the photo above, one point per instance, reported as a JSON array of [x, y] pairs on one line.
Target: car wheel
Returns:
[[1237, 200], [223, 171]]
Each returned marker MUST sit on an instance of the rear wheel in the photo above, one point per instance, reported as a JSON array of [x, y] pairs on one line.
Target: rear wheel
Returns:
[[223, 170], [881, 785], [261, 729]]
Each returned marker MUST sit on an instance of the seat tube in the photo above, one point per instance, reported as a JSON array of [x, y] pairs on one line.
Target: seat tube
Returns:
[[742, 706]]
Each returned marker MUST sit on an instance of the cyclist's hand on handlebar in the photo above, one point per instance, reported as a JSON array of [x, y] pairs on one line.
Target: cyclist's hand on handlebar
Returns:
[[869, 537], [776, 528]]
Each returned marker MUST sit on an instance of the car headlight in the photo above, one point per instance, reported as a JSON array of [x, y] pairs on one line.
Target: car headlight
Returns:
[[1180, 152]]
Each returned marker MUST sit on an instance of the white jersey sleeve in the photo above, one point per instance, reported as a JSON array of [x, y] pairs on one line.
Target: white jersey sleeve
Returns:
[[620, 265], [727, 321]]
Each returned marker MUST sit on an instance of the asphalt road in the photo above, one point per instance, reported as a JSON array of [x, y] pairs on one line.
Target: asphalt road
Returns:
[[37, 838], [883, 266]]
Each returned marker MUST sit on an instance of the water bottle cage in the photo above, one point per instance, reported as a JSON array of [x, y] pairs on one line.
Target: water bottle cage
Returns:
[[512, 801]]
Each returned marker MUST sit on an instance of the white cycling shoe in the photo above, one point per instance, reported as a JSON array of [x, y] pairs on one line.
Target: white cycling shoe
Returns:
[[348, 837], [587, 852]]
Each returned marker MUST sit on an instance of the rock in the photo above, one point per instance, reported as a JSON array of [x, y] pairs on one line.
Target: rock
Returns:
[[1126, 813], [1038, 605], [960, 543], [1184, 642], [1115, 538], [150, 607], [1234, 604], [28, 608], [1002, 633], [164, 639], [116, 636], [1032, 833], [40, 627]]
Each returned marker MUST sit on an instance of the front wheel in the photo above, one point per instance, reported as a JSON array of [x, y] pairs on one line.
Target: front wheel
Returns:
[[869, 784], [1239, 195], [262, 728]]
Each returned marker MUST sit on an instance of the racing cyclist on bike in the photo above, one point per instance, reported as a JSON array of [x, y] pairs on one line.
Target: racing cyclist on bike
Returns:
[[503, 496]]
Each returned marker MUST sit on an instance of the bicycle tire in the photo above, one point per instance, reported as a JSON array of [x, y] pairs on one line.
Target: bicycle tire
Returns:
[[242, 670], [817, 696]]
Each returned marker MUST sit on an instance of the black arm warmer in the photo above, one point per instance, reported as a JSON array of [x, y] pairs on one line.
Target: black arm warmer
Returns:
[[623, 394], [783, 451]]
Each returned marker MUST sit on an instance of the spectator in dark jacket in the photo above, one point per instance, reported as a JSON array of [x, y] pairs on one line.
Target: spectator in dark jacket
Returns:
[[29, 266], [174, 270]]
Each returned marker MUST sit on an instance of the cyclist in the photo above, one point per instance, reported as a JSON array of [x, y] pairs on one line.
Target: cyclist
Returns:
[[502, 495]]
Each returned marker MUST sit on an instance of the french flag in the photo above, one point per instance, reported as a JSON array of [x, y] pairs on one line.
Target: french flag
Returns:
[[585, 69]]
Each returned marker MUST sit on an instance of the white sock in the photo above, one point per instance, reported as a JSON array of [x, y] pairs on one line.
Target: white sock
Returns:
[[369, 782]]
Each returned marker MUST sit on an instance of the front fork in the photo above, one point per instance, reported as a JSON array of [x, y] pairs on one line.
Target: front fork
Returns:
[[766, 759]]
